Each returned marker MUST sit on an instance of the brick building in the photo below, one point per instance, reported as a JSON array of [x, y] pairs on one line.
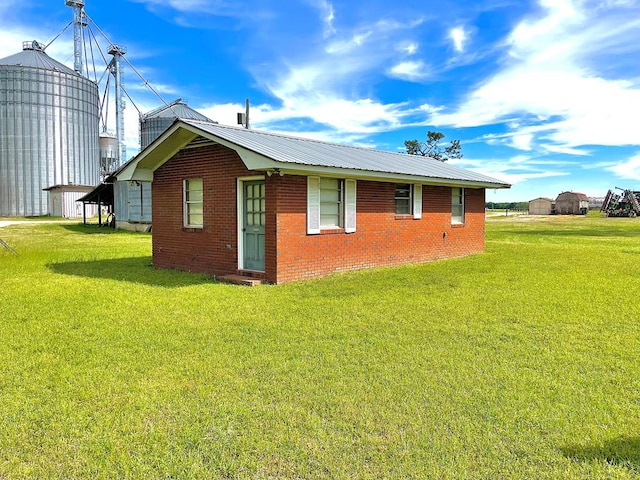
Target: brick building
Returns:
[[231, 201]]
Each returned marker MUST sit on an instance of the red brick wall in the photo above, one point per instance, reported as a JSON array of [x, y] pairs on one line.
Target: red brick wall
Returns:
[[214, 248], [381, 239]]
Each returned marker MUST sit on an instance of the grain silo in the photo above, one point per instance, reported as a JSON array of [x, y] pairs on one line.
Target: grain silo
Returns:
[[153, 123], [109, 153], [132, 200], [48, 130]]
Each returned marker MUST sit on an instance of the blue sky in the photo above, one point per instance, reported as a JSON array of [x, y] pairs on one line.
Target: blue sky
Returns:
[[542, 94]]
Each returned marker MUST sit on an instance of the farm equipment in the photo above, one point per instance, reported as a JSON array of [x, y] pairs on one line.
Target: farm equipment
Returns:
[[8, 247], [625, 204]]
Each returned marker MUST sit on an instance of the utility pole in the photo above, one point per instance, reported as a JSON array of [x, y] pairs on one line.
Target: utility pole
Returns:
[[243, 118]]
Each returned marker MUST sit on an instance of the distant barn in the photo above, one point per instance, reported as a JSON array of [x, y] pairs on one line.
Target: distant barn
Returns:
[[572, 203], [541, 206]]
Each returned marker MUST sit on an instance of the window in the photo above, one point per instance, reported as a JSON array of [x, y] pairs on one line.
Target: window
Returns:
[[404, 196], [457, 205], [408, 199], [193, 213], [331, 203]]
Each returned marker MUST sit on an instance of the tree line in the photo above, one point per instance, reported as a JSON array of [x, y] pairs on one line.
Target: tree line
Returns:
[[507, 205]]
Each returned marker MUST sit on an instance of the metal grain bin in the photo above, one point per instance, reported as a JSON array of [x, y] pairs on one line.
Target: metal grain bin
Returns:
[[154, 123], [109, 148], [48, 130]]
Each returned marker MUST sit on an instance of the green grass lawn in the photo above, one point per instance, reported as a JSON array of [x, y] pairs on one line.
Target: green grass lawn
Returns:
[[523, 362]]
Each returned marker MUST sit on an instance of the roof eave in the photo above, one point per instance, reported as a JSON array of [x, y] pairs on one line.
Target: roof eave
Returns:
[[158, 152], [285, 168]]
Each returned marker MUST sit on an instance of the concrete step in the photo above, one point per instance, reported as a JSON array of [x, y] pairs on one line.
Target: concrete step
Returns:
[[241, 280]]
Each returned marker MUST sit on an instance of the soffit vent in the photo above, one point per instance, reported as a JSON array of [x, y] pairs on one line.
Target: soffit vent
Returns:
[[199, 141]]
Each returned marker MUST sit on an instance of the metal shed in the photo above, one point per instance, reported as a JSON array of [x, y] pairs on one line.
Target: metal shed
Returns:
[[63, 201], [541, 206], [572, 203], [101, 197]]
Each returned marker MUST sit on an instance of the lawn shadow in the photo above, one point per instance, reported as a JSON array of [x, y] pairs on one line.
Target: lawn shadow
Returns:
[[134, 269], [93, 228], [581, 231], [621, 451]]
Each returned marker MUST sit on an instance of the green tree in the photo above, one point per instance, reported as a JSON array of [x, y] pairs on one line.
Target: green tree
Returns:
[[432, 148]]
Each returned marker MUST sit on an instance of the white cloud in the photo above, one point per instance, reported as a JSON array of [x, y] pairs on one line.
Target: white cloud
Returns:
[[628, 170], [328, 16], [458, 36], [408, 48], [551, 72], [348, 45], [225, 113], [318, 87], [193, 6], [340, 120], [514, 170], [564, 150], [11, 41], [363, 116], [412, 71], [522, 141], [322, 89]]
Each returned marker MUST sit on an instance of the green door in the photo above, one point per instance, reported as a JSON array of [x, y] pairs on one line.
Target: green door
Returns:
[[253, 225]]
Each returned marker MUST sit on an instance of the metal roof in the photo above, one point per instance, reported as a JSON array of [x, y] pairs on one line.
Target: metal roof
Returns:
[[36, 58], [297, 151], [176, 109], [580, 195], [101, 194]]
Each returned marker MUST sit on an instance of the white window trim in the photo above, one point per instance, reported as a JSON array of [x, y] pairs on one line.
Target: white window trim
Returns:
[[185, 204], [313, 206], [455, 220], [395, 208], [417, 200], [341, 208], [350, 205]]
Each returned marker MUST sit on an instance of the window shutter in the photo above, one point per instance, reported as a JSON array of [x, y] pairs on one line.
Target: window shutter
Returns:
[[350, 206], [417, 201], [313, 205]]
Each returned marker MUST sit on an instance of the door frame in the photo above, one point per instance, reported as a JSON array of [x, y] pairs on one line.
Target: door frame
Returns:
[[240, 217]]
